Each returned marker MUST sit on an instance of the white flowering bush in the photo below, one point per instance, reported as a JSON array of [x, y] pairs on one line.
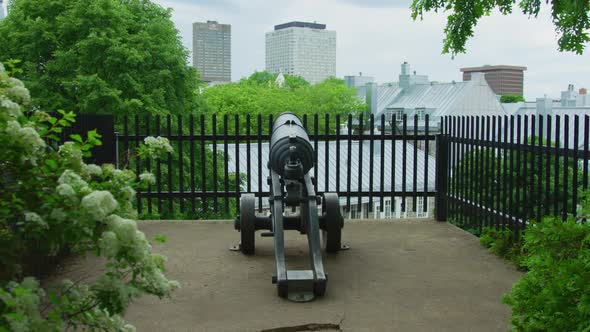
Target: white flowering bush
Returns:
[[155, 147], [51, 203]]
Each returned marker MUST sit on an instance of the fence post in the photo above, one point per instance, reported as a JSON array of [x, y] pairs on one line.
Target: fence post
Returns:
[[105, 126], [441, 181]]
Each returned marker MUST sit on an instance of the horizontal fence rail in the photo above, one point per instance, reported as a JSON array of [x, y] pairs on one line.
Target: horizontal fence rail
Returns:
[[508, 171], [368, 161]]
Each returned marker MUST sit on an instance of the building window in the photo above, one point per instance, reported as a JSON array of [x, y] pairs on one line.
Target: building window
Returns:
[[398, 112], [387, 209], [420, 208], [421, 112], [354, 213]]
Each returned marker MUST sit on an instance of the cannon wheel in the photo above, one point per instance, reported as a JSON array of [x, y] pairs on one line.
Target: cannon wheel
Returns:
[[247, 230], [332, 233]]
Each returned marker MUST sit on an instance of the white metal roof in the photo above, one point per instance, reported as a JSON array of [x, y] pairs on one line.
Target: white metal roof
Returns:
[[357, 162], [439, 96]]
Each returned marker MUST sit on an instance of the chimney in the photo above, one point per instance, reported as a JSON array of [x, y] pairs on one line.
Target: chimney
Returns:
[[404, 76], [371, 97], [405, 68], [583, 99]]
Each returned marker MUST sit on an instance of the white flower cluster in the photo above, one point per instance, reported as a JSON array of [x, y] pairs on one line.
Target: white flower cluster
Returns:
[[147, 177], [156, 147], [66, 190], [123, 236], [12, 92], [71, 154], [58, 214], [9, 108], [74, 180], [25, 139], [128, 193], [90, 170], [99, 204], [18, 93], [35, 220], [120, 184]]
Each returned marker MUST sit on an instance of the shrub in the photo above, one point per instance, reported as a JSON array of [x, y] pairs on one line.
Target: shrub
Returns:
[[555, 294], [504, 243], [52, 202]]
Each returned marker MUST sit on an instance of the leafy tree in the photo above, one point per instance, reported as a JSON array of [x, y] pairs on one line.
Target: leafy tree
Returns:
[[254, 95], [261, 77], [268, 79], [295, 82], [511, 98], [114, 56], [570, 17]]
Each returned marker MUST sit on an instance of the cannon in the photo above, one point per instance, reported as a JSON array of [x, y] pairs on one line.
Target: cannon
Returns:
[[291, 157]]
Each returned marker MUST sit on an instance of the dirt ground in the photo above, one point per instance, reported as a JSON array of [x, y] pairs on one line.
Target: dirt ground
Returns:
[[397, 276]]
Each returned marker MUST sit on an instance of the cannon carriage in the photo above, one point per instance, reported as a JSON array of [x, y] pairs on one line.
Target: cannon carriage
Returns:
[[291, 157]]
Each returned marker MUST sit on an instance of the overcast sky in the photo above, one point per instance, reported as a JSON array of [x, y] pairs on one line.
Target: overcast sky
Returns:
[[375, 36]]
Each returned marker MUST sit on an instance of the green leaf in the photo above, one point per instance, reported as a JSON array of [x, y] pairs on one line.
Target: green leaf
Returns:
[[77, 138], [51, 163]]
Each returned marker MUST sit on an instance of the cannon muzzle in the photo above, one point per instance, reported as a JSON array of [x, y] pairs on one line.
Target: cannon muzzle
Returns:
[[291, 152]]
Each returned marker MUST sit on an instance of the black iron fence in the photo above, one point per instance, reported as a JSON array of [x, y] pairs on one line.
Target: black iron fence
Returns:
[[216, 158], [479, 171], [511, 170]]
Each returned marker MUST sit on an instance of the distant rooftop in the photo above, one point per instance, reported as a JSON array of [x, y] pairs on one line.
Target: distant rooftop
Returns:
[[298, 24], [495, 67]]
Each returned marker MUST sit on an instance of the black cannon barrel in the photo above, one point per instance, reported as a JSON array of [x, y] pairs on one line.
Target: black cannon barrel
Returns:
[[289, 141]]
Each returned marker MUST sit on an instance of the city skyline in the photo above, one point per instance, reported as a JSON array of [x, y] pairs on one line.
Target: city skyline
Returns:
[[374, 36]]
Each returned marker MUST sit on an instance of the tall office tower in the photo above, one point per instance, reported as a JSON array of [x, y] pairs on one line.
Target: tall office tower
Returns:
[[1, 9], [212, 51], [504, 80], [302, 48]]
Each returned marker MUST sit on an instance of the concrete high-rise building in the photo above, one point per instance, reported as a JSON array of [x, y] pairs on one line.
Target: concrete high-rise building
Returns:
[[302, 48], [504, 80], [1, 9], [212, 51]]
